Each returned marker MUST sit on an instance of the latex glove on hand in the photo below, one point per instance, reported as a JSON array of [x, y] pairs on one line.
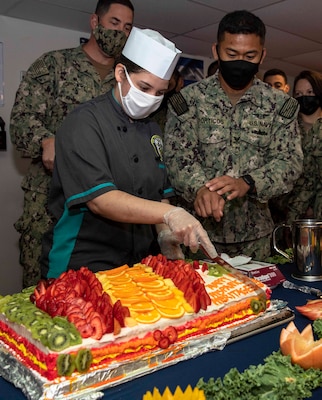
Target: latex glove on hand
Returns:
[[188, 230], [169, 245]]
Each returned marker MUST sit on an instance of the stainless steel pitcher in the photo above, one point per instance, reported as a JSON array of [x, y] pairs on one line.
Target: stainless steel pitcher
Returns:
[[307, 248]]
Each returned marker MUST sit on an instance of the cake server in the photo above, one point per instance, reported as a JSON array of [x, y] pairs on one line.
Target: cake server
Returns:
[[302, 288], [243, 278]]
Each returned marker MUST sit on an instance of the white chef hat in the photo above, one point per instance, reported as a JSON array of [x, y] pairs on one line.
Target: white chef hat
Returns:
[[152, 52]]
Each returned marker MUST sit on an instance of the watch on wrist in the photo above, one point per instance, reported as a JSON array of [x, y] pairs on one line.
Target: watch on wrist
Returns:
[[250, 181]]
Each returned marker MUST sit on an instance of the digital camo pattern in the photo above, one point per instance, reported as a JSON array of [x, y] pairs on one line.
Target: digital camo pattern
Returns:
[[307, 191], [54, 84], [259, 136]]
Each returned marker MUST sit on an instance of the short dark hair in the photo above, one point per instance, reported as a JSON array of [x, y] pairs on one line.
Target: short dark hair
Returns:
[[273, 72], [241, 21], [103, 6], [315, 79]]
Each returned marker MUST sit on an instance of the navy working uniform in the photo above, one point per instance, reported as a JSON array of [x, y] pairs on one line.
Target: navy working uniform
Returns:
[[53, 86], [105, 151], [208, 136]]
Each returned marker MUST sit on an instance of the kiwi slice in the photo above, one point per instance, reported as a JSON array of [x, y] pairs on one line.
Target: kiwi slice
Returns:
[[65, 364], [83, 360], [256, 306], [74, 337], [11, 310], [263, 303], [61, 322], [32, 321], [58, 340], [40, 330]]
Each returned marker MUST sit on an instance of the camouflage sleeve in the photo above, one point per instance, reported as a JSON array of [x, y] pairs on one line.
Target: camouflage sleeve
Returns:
[[308, 188], [34, 99], [284, 157], [182, 158]]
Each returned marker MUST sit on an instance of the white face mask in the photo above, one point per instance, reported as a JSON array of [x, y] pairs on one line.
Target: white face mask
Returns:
[[136, 103]]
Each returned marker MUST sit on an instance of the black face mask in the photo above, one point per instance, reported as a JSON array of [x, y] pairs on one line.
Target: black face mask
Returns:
[[237, 74], [308, 104]]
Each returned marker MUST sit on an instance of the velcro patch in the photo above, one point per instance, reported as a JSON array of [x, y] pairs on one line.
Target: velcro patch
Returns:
[[289, 108], [38, 68], [178, 103]]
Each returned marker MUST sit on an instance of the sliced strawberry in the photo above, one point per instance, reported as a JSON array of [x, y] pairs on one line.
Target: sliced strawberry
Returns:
[[195, 264], [204, 267], [96, 324], [118, 313], [85, 330], [171, 333], [157, 334], [164, 342], [109, 322], [194, 301]]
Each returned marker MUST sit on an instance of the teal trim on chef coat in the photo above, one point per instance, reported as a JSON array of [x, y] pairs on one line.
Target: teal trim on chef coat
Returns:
[[66, 232]]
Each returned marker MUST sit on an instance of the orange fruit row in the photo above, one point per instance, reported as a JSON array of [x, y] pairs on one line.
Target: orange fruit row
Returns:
[[147, 295]]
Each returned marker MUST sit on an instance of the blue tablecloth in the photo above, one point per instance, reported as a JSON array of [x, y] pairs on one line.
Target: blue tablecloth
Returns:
[[240, 354]]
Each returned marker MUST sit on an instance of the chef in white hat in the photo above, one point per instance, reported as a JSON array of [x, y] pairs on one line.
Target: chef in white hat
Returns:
[[110, 192]]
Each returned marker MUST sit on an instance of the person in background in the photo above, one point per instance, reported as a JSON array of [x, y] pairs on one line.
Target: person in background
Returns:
[[175, 85], [236, 145], [305, 200], [109, 193], [277, 79], [55, 84], [212, 68]]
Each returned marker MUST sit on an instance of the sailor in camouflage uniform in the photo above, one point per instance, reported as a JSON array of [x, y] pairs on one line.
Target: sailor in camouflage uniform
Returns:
[[232, 143], [55, 84], [308, 188]]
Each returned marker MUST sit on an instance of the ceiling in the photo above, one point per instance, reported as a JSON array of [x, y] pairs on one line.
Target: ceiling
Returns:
[[294, 28]]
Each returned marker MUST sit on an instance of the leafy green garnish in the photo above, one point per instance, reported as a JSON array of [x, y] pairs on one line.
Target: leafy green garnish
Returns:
[[317, 327], [276, 379], [279, 259]]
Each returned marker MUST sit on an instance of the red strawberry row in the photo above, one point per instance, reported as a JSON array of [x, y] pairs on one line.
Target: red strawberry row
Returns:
[[79, 296], [185, 276]]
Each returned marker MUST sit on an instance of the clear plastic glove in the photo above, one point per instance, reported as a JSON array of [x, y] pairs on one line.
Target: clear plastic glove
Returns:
[[169, 245], [188, 230]]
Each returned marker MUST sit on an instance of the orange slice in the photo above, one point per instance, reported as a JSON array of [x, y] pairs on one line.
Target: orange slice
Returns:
[[167, 303], [160, 294], [142, 306], [123, 279], [187, 307], [127, 293], [128, 301], [115, 271], [145, 278], [155, 284], [149, 317], [173, 313]]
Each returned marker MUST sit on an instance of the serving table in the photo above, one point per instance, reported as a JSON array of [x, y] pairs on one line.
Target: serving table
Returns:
[[239, 354]]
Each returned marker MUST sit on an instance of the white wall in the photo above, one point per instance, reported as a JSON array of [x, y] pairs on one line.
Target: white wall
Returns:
[[23, 42]]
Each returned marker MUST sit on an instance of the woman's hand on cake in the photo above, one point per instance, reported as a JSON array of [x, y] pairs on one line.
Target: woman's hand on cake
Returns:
[[169, 245], [188, 230]]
